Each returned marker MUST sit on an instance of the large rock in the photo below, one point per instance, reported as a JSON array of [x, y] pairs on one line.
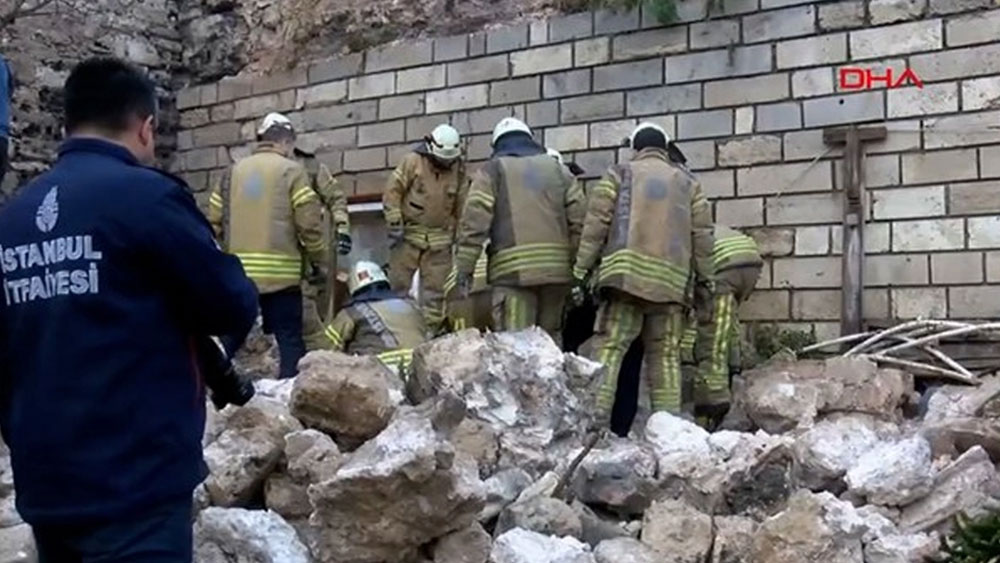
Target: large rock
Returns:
[[825, 452], [898, 548], [963, 401], [470, 545], [625, 550], [970, 484], [598, 528], [678, 531], [955, 436], [893, 474], [543, 514], [780, 397], [502, 489], [621, 477], [733, 537], [515, 382], [310, 457], [805, 531], [247, 451], [345, 396], [258, 358], [478, 440], [523, 546], [727, 472], [17, 545], [235, 535], [398, 491]]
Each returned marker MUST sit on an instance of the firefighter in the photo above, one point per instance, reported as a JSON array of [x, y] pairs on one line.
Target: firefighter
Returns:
[[532, 212], [267, 214], [376, 321], [474, 310], [421, 206], [738, 264], [649, 225], [317, 292]]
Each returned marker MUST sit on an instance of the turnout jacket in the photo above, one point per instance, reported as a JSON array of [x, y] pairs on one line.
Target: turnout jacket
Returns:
[[734, 249], [651, 228], [425, 199], [110, 274], [329, 190], [531, 212], [266, 213], [379, 324]]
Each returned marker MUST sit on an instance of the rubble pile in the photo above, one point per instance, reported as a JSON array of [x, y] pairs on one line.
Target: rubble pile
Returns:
[[346, 464]]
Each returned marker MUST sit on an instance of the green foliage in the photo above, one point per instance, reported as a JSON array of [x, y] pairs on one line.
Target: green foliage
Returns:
[[768, 340], [973, 541], [665, 11]]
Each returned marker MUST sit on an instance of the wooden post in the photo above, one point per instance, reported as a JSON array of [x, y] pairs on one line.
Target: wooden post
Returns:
[[852, 294]]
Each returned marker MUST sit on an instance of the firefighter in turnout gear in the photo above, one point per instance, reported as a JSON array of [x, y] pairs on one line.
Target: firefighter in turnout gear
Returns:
[[650, 227], [267, 214], [531, 211], [422, 203], [317, 293], [376, 321], [738, 264], [474, 310]]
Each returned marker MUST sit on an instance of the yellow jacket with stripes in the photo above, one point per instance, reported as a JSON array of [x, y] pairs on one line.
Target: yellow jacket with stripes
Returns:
[[734, 249], [329, 190], [389, 328], [651, 228], [265, 212], [531, 211], [425, 199]]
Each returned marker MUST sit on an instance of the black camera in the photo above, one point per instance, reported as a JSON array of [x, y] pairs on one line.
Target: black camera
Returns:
[[227, 387]]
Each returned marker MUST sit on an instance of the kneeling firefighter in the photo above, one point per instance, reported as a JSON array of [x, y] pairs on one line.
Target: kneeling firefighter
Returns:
[[376, 321]]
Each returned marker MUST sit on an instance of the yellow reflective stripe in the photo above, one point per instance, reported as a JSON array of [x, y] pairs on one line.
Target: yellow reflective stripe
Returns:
[[606, 186], [398, 175], [480, 271], [483, 198], [278, 266], [262, 256], [396, 358], [393, 216], [302, 196], [215, 200], [334, 336], [628, 262], [529, 263], [524, 249]]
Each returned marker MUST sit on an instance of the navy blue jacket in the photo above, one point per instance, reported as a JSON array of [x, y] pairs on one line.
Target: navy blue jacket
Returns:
[[109, 270]]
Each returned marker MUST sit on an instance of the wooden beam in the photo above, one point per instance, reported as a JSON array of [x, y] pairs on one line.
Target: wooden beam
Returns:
[[838, 135], [364, 198]]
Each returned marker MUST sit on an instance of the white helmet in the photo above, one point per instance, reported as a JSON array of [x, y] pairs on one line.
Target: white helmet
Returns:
[[509, 125], [443, 143], [274, 119], [364, 274], [556, 155], [647, 125]]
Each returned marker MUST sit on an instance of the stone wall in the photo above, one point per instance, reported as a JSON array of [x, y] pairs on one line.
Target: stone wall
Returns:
[[746, 90], [43, 48]]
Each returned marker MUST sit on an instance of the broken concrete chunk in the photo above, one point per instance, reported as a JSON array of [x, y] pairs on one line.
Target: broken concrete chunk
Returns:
[[826, 451], [893, 474], [733, 537], [621, 477], [678, 531], [311, 456], [970, 484], [344, 396], [470, 545], [398, 491], [897, 548], [502, 489], [625, 550], [523, 546], [239, 461], [287, 496], [964, 401], [598, 528], [955, 436], [803, 532], [681, 446], [17, 545], [235, 535], [543, 514]]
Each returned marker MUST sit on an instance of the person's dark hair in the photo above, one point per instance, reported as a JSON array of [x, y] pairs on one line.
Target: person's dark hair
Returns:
[[107, 93], [278, 134], [649, 137]]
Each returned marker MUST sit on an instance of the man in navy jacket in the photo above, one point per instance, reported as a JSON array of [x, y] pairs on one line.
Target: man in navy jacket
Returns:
[[110, 273]]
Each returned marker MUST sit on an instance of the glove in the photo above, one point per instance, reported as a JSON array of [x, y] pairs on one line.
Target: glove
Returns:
[[579, 292], [395, 235], [226, 386], [344, 244]]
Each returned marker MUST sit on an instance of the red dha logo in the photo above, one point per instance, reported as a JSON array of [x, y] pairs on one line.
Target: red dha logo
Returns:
[[854, 78]]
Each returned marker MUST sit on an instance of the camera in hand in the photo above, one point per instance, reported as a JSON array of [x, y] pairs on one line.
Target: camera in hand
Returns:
[[226, 386]]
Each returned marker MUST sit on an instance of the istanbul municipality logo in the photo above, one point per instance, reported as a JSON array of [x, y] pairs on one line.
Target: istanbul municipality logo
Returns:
[[48, 211]]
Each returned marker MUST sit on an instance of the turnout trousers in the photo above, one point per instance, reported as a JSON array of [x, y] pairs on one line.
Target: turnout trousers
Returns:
[[717, 346], [518, 308], [434, 264], [620, 320]]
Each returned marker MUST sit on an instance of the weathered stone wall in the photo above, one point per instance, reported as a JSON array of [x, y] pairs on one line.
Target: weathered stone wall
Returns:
[[43, 48], [746, 91]]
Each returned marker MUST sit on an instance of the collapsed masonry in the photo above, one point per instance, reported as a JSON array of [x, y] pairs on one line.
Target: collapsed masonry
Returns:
[[836, 461]]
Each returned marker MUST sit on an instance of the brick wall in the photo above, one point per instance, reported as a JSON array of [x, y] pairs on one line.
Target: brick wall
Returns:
[[746, 91]]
